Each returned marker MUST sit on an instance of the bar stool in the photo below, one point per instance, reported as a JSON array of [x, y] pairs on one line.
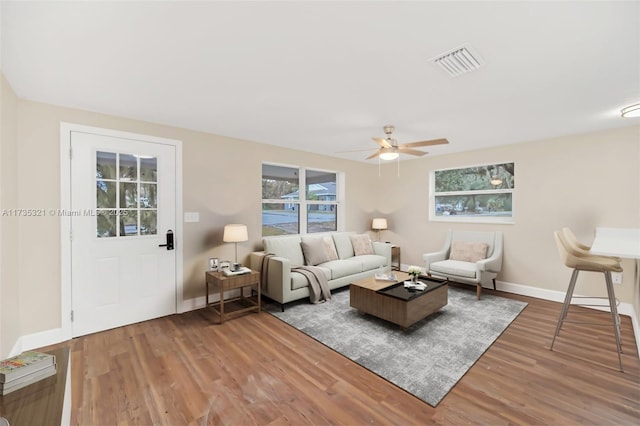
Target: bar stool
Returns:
[[581, 249], [587, 262]]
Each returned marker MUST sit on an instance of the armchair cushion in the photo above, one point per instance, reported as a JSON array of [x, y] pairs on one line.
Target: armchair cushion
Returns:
[[468, 251], [455, 268]]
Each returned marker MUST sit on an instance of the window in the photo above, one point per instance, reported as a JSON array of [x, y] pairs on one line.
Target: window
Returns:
[[285, 210], [481, 193]]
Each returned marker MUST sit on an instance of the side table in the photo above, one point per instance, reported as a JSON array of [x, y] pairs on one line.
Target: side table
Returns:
[[221, 283], [395, 256]]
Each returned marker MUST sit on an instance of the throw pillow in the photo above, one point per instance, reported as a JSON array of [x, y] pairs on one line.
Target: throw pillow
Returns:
[[314, 251], [468, 251], [361, 244], [330, 248]]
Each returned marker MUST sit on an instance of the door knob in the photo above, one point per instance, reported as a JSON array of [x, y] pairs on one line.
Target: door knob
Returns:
[[169, 244]]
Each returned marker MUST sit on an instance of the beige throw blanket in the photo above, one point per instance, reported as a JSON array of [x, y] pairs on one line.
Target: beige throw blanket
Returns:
[[318, 285], [264, 271]]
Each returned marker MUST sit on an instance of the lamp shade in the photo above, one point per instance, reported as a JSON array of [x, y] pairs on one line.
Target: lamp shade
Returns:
[[379, 223], [235, 233]]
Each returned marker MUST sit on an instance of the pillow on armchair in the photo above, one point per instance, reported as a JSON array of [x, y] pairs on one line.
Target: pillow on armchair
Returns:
[[468, 251]]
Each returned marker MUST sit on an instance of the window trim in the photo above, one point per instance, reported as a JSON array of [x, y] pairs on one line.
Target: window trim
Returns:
[[507, 220]]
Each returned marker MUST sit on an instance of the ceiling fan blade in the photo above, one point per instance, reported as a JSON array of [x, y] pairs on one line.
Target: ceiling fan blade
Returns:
[[382, 142], [355, 150], [374, 155], [425, 143], [411, 151]]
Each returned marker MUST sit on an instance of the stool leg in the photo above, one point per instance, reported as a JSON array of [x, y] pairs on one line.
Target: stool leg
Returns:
[[614, 315], [565, 305]]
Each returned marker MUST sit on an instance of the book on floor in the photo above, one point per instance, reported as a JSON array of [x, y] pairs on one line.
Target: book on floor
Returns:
[[27, 379], [24, 364]]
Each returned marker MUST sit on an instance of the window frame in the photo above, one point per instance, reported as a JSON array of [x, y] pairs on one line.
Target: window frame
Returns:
[[465, 218], [303, 203]]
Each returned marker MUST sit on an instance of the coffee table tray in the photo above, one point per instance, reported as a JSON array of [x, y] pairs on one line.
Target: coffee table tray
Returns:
[[399, 291]]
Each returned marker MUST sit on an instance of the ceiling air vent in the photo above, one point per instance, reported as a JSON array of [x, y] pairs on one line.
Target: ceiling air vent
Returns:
[[458, 61]]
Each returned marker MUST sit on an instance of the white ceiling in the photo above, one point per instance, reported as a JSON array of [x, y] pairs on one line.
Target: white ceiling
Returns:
[[326, 76]]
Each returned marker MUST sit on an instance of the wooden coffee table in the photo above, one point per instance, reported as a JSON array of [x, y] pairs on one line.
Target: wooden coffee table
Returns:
[[375, 297]]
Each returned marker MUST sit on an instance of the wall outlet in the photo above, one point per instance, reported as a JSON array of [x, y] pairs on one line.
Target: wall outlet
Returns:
[[616, 277]]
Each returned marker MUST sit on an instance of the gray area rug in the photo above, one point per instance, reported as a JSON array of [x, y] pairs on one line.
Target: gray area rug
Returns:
[[426, 359]]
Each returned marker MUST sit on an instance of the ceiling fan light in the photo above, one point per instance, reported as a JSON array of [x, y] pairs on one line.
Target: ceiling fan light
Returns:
[[631, 111], [389, 155]]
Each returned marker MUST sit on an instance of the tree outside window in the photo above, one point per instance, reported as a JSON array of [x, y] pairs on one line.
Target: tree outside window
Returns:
[[482, 193]]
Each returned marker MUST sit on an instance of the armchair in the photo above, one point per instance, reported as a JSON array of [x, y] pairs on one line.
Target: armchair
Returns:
[[469, 257]]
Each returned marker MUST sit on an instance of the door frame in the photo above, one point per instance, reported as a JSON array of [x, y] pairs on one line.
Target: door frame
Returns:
[[65, 220]]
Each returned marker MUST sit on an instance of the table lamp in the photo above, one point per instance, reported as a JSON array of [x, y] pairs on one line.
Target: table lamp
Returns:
[[235, 233], [378, 224]]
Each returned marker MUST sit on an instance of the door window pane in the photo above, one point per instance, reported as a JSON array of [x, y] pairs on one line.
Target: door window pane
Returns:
[[148, 195], [105, 165], [128, 222], [106, 223], [128, 167], [105, 194], [148, 222], [148, 169], [128, 195]]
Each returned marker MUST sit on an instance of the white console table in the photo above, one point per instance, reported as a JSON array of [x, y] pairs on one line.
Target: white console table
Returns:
[[619, 242]]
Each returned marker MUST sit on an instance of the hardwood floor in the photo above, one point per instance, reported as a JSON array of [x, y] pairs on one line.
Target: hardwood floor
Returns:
[[256, 370]]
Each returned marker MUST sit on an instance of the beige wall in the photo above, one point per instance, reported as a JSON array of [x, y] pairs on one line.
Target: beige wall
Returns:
[[580, 181], [221, 181], [9, 290]]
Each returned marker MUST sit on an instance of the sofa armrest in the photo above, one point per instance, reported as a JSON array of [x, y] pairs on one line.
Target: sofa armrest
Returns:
[[383, 249], [278, 284]]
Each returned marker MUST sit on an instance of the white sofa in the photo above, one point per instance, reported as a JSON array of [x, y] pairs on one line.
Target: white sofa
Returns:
[[472, 257], [345, 266]]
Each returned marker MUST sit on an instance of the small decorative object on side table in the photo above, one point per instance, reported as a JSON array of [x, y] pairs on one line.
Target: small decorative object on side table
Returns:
[[241, 304]]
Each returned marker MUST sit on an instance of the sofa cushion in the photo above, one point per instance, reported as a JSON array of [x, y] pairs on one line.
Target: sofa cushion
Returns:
[[343, 245], [454, 267], [314, 250], [342, 268], [468, 251], [287, 246], [361, 244], [370, 261]]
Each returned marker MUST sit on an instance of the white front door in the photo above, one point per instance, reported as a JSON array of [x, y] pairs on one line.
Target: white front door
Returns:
[[123, 204]]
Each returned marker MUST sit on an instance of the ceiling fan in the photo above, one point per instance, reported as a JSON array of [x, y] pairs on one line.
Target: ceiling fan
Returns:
[[390, 150]]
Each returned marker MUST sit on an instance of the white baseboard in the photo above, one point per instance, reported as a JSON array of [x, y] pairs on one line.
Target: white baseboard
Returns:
[[37, 340]]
